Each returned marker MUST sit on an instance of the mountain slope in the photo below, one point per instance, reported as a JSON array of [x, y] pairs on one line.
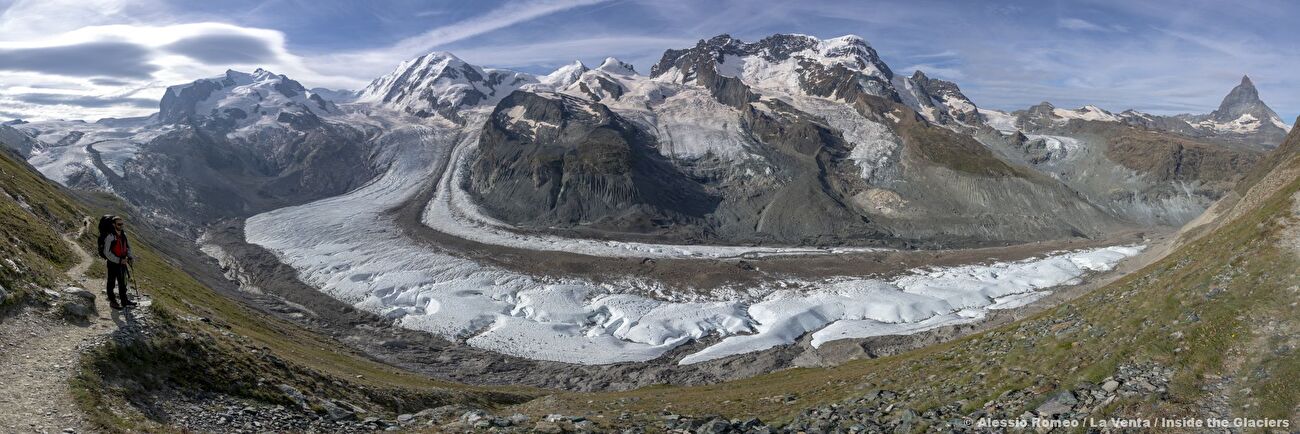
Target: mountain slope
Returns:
[[34, 215], [193, 344], [1152, 173], [219, 147], [558, 148], [802, 141]]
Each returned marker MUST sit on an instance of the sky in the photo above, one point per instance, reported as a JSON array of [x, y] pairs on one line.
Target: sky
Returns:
[[89, 59]]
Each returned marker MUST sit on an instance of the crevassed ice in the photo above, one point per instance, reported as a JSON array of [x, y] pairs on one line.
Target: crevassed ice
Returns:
[[357, 254]]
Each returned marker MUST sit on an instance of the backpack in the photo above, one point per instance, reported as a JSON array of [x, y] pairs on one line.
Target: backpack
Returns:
[[105, 228]]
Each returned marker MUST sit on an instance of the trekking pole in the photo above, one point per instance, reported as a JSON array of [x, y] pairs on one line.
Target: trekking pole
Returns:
[[130, 275]]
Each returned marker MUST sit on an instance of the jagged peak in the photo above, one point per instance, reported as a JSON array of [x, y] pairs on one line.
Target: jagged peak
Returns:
[[1243, 99], [720, 40]]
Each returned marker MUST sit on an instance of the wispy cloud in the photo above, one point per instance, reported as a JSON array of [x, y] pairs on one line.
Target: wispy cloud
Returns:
[[1079, 24], [383, 59], [85, 100], [937, 71], [508, 14]]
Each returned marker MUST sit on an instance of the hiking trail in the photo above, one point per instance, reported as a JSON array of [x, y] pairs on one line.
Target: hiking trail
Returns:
[[40, 352]]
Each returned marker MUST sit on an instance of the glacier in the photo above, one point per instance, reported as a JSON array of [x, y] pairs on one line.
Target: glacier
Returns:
[[357, 253]]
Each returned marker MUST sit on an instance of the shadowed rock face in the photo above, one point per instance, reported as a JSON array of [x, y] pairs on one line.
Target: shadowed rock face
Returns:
[[1242, 100], [564, 162], [196, 174], [946, 98], [559, 160], [179, 102]]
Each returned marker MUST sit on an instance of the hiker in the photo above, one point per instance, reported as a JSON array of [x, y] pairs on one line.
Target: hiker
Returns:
[[117, 250]]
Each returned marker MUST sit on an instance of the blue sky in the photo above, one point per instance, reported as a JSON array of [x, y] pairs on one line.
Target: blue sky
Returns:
[[95, 58]]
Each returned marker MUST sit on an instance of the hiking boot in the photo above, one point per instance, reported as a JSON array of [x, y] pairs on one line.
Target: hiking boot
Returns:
[[129, 303], [113, 304]]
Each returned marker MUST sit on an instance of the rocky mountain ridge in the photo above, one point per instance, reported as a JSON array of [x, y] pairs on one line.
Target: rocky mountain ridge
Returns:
[[791, 139], [815, 146], [1241, 120]]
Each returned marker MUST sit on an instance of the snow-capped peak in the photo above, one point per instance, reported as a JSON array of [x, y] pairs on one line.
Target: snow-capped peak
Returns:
[[240, 98], [1241, 101], [617, 67], [441, 83], [564, 76], [787, 63]]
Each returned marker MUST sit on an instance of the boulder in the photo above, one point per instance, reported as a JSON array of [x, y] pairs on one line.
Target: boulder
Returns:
[[76, 311], [1059, 403], [337, 412], [294, 395], [81, 294]]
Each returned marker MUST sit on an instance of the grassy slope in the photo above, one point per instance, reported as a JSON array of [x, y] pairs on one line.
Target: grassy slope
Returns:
[[203, 339], [33, 212], [1230, 295], [207, 341]]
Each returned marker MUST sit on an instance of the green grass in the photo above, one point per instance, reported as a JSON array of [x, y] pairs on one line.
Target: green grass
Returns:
[[33, 212], [209, 342]]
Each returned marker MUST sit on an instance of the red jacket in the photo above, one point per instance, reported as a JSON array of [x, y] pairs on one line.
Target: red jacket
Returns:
[[116, 248]]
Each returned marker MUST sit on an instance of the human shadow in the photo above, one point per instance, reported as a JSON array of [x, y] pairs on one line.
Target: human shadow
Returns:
[[125, 318]]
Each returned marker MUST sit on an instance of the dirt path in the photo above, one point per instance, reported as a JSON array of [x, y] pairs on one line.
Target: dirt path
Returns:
[[40, 352]]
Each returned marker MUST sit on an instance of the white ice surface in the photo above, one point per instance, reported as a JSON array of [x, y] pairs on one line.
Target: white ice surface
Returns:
[[1087, 113], [116, 146], [692, 124], [62, 162], [116, 153], [916, 302], [873, 143], [999, 120], [357, 254], [1278, 123]]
